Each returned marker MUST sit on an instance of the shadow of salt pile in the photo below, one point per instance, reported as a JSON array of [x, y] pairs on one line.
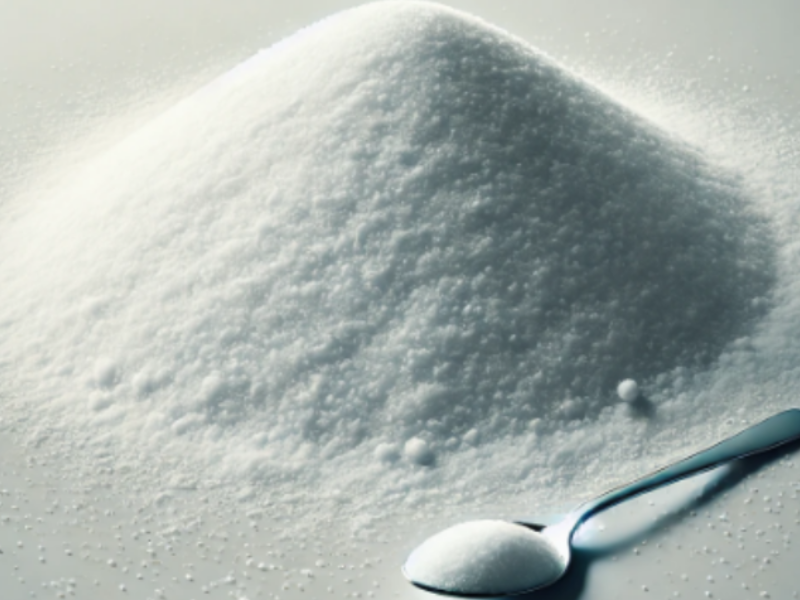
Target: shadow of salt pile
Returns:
[[401, 220]]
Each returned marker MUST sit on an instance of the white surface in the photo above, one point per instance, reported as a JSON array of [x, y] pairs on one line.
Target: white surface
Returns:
[[753, 379]]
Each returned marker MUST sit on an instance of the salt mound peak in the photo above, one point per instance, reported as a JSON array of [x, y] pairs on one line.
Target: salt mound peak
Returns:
[[399, 224]]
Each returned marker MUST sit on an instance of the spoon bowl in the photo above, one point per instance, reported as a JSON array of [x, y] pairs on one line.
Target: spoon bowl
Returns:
[[487, 558], [501, 558]]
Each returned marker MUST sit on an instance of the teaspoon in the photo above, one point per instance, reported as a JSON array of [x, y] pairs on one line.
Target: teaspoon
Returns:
[[501, 558]]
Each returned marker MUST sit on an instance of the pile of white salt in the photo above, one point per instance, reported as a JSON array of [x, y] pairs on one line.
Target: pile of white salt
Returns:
[[366, 255]]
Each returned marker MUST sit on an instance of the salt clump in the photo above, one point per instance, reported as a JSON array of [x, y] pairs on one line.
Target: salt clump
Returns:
[[418, 452], [387, 453], [628, 390], [399, 222]]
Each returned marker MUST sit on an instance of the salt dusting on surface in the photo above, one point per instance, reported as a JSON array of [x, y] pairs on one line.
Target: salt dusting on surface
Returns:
[[485, 558], [387, 257]]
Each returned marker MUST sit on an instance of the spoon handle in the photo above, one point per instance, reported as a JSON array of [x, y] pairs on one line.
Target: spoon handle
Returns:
[[779, 429]]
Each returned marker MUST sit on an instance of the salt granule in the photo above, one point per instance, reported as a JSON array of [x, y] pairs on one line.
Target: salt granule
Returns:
[[387, 453], [628, 390]]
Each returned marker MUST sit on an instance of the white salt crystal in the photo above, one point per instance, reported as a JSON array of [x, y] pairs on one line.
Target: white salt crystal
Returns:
[[471, 437], [628, 390], [417, 451], [105, 372], [387, 453]]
